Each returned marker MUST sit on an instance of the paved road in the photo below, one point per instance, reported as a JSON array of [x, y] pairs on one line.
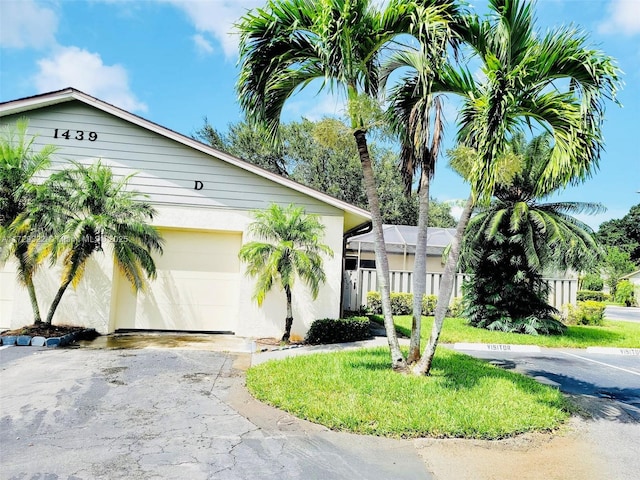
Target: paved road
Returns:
[[576, 372], [167, 414], [629, 314], [605, 386]]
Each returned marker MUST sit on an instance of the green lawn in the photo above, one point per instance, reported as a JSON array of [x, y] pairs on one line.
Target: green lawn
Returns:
[[357, 391], [612, 334]]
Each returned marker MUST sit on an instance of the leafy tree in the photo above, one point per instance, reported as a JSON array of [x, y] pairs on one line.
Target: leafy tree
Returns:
[[81, 207], [440, 214], [290, 43], [623, 233], [615, 265], [290, 248], [592, 282], [520, 86], [625, 293], [510, 243], [247, 142], [19, 164]]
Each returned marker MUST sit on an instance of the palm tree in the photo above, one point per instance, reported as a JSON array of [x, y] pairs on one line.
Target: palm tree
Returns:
[[416, 116], [553, 81], [84, 206], [510, 243], [290, 43], [291, 248], [19, 164]]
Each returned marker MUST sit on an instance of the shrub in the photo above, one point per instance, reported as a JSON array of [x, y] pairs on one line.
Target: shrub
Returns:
[[401, 303], [456, 307], [584, 295], [625, 293], [331, 330], [374, 302], [429, 304], [592, 282], [588, 312]]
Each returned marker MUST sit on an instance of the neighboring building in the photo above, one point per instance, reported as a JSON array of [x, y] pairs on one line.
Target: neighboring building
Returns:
[[204, 199], [633, 277], [400, 241]]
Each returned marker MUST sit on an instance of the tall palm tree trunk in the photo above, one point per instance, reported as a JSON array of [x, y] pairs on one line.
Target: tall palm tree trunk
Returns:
[[446, 288], [289, 319], [419, 268], [57, 298], [382, 263], [26, 272], [34, 300]]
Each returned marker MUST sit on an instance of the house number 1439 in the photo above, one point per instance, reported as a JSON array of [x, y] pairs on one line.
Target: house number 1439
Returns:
[[75, 134]]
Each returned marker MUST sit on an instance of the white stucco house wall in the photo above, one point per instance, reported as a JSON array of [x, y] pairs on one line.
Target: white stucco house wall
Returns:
[[204, 200]]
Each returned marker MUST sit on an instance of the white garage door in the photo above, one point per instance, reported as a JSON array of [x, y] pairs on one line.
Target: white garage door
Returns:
[[196, 288]]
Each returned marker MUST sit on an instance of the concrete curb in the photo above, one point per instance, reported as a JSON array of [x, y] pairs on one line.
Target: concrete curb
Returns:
[[496, 347], [51, 342], [614, 351]]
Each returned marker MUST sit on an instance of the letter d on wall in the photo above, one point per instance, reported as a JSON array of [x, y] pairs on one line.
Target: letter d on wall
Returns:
[[198, 185]]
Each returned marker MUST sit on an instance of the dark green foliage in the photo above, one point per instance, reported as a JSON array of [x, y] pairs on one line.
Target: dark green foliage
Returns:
[[596, 296], [331, 330], [586, 313], [504, 294], [592, 282], [623, 233]]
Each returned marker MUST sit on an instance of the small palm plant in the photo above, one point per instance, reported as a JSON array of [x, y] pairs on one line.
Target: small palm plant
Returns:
[[290, 248], [19, 165], [83, 206]]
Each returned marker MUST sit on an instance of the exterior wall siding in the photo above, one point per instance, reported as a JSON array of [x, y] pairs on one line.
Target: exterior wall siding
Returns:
[[166, 170]]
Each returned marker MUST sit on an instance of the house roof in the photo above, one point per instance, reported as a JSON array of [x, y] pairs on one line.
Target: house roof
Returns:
[[403, 238], [631, 275], [354, 216]]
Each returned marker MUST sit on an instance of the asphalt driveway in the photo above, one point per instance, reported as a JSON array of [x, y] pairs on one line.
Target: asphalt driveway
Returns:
[[164, 414]]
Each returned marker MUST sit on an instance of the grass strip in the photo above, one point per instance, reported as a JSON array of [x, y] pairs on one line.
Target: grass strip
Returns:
[[357, 391], [612, 334]]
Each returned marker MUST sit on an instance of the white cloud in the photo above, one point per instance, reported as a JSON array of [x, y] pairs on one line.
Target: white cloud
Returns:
[[74, 67], [624, 18], [217, 18], [202, 44], [24, 23]]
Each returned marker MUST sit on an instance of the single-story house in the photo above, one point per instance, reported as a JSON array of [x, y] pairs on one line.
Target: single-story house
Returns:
[[204, 200]]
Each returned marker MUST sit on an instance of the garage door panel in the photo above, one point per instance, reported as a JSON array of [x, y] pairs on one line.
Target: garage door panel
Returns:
[[197, 286]]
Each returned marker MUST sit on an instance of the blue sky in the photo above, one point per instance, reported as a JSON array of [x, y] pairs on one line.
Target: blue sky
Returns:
[[174, 62]]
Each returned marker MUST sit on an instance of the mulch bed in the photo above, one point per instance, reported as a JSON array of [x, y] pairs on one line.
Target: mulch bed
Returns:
[[47, 331], [271, 343]]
